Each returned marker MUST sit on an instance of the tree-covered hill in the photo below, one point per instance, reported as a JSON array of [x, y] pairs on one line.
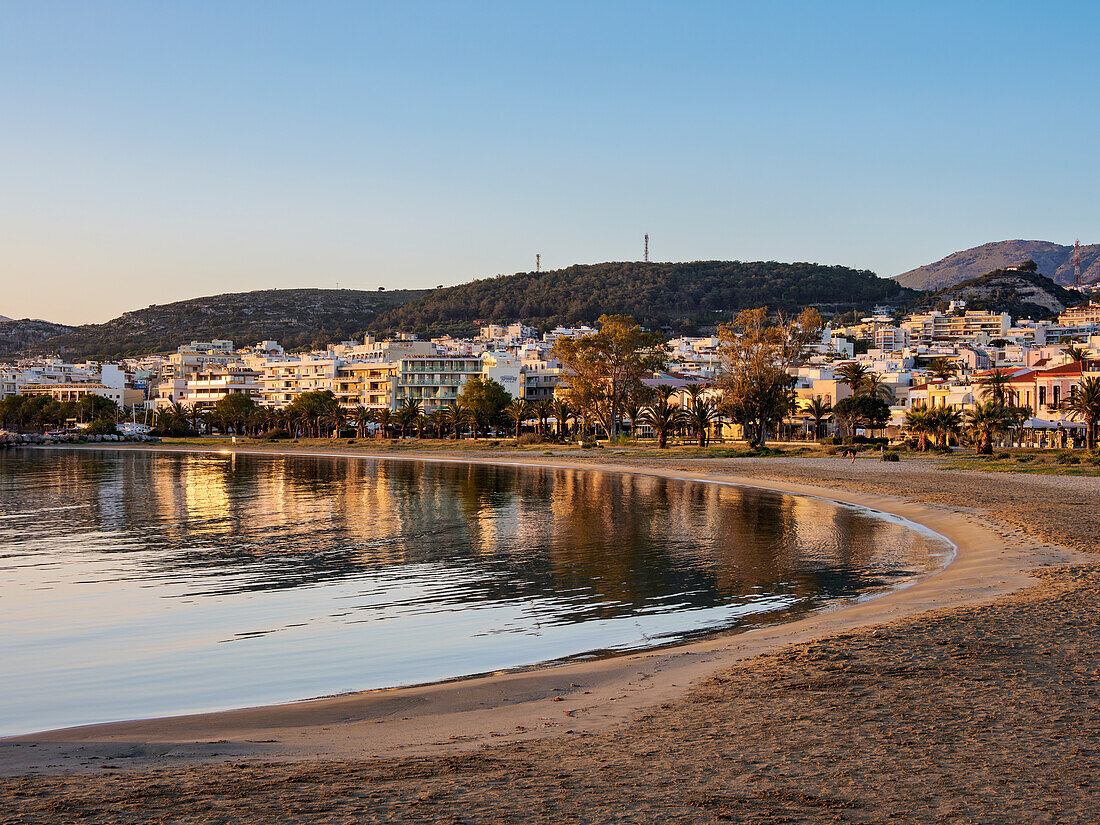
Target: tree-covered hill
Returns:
[[293, 317], [685, 296]]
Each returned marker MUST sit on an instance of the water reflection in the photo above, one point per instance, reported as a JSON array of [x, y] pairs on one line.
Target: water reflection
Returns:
[[438, 569]]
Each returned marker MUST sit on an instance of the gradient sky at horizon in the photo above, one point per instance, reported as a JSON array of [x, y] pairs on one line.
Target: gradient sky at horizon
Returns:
[[151, 152]]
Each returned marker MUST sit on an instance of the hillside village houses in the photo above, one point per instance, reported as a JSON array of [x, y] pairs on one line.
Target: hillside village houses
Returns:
[[381, 374]]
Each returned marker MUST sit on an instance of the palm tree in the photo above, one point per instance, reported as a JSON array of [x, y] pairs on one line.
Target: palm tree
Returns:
[[946, 422], [407, 415], [519, 411], [919, 422], [875, 387], [333, 419], [942, 368], [820, 408], [434, 421], [384, 418], [985, 419], [542, 411], [562, 412], [1084, 403], [662, 415], [994, 386], [1076, 353], [362, 417], [855, 376], [456, 416], [700, 415]]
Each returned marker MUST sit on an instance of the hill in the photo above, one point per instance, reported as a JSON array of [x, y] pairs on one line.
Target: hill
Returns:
[[16, 336], [683, 296], [1021, 293], [1055, 261], [293, 317]]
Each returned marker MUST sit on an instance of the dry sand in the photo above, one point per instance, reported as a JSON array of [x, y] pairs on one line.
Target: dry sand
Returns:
[[968, 698]]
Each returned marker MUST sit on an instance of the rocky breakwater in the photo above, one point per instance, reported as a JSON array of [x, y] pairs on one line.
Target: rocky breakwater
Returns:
[[11, 439]]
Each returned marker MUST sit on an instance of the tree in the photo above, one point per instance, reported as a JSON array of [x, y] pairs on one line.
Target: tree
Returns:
[[606, 365], [361, 415], [985, 420], [1076, 353], [946, 422], [485, 399], [313, 409], [662, 415], [994, 386], [408, 414], [518, 412], [562, 413], [700, 412], [235, 409], [873, 413], [918, 422], [756, 358], [942, 368], [542, 410], [855, 375], [384, 418], [1085, 403], [820, 409], [457, 416]]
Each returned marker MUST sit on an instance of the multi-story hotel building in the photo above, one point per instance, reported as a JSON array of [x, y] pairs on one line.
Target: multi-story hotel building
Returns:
[[974, 326]]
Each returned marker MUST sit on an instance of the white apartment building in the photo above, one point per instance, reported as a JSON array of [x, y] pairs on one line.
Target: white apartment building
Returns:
[[284, 380], [437, 381], [211, 385], [973, 326]]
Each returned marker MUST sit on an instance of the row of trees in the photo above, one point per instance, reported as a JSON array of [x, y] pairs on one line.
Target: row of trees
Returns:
[[41, 412]]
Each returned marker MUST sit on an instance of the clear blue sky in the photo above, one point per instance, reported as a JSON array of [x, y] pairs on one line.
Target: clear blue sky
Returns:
[[151, 151]]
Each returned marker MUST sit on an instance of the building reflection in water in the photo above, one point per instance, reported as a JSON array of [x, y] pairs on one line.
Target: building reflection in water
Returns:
[[613, 543]]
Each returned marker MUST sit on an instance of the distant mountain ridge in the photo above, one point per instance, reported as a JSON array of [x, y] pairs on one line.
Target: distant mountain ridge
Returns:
[[1020, 293], [1055, 261], [16, 336], [294, 317]]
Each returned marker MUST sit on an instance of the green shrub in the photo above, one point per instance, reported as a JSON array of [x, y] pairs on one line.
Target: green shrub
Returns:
[[527, 439], [1003, 454], [1025, 458], [1068, 458], [274, 435], [890, 456]]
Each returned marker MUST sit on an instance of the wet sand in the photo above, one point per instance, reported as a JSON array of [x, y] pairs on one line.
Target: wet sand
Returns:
[[969, 697]]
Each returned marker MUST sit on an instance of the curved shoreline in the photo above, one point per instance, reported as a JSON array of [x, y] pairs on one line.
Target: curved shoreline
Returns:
[[577, 697]]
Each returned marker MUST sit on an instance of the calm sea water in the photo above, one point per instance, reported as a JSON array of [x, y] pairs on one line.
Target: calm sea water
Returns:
[[136, 584]]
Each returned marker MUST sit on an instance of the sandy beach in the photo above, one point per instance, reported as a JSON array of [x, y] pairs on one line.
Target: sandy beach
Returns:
[[970, 697]]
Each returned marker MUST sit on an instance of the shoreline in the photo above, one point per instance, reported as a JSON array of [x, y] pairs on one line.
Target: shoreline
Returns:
[[579, 698]]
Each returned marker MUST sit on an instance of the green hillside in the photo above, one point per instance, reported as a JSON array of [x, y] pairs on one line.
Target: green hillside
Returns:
[[684, 296], [293, 317]]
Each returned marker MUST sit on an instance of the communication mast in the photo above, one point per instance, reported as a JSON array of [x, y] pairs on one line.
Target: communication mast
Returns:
[[646, 258], [1077, 263], [538, 262]]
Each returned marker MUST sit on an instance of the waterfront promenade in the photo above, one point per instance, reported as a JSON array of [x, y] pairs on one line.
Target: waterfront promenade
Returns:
[[971, 697]]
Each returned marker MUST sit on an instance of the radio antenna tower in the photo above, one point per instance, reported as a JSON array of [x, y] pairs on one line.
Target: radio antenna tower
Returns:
[[646, 258], [538, 262], [1077, 263]]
